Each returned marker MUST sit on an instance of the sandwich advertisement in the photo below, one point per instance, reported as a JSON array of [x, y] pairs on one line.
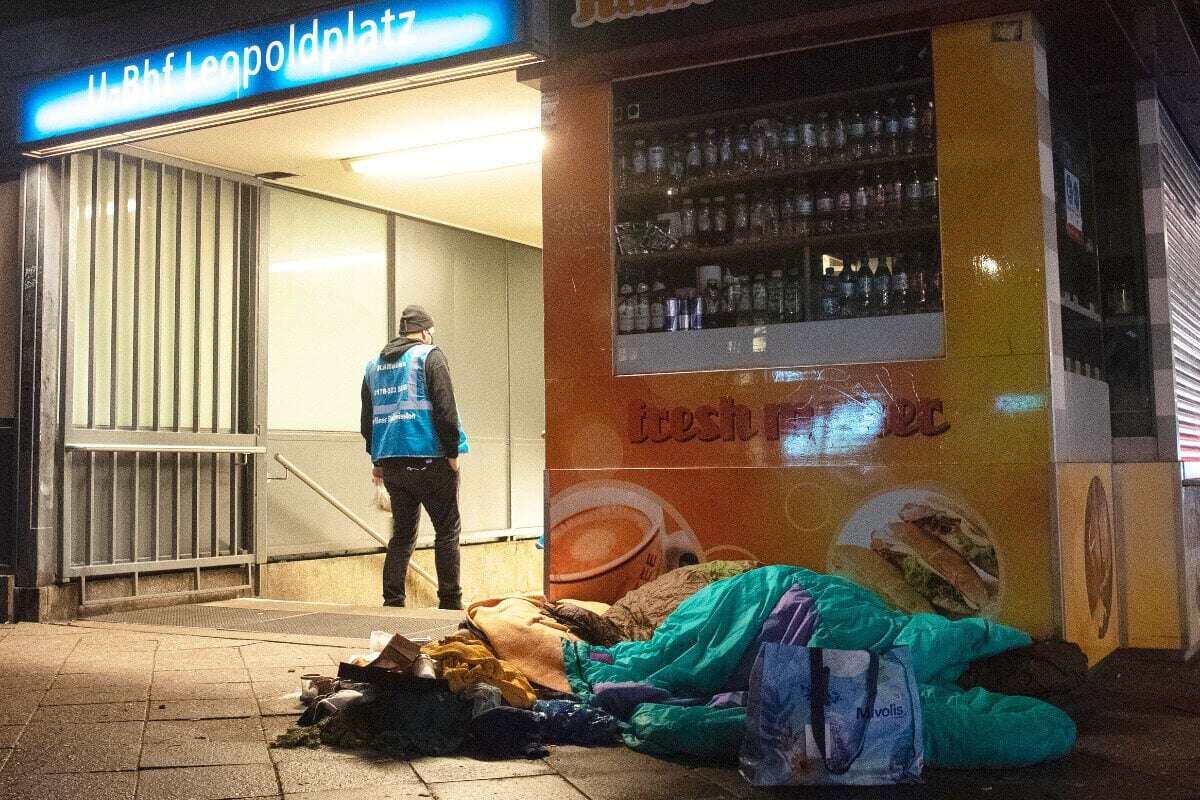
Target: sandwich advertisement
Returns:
[[960, 541]]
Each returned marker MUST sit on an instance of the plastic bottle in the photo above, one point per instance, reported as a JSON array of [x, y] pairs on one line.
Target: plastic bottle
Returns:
[[759, 299], [640, 174], [775, 296], [856, 136], [793, 297], [891, 129], [910, 125]]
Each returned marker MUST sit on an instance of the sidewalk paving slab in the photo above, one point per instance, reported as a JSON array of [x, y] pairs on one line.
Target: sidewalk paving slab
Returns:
[[91, 713], [445, 769], [201, 691], [83, 747], [345, 773], [200, 743], [202, 709], [208, 783], [67, 786], [536, 787]]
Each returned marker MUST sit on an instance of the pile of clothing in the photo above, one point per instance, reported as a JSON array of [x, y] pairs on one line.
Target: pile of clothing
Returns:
[[666, 670]]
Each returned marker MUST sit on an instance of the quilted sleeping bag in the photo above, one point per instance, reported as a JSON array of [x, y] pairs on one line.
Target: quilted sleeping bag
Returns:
[[706, 647]]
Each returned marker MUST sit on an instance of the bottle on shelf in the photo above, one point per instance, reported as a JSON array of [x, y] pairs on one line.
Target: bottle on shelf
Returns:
[[641, 317], [935, 285], [742, 150], [775, 297], [776, 153], [678, 168], [861, 211], [759, 300], [793, 297], [721, 233], [914, 193], [640, 171], [758, 219], [711, 153], [694, 158], [684, 320], [891, 129], [787, 214], [883, 288], [657, 155], [687, 224], [899, 284], [790, 140], [910, 127], [929, 197], [856, 136], [918, 288], [759, 148], [658, 302], [864, 287], [742, 232], [731, 295], [771, 220], [829, 296], [846, 290], [826, 211], [621, 165], [726, 154], [824, 138], [808, 142], [805, 210], [745, 306], [712, 305], [928, 127], [845, 209], [879, 202], [875, 132], [626, 307], [704, 221], [895, 200], [840, 137]]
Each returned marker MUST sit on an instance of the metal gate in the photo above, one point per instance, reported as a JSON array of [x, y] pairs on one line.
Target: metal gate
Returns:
[[160, 391]]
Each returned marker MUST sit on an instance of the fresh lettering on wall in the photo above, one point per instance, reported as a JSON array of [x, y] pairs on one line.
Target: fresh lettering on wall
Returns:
[[730, 421], [353, 40], [591, 11]]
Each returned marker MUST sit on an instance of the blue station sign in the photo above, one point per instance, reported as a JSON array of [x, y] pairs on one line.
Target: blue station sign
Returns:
[[328, 46]]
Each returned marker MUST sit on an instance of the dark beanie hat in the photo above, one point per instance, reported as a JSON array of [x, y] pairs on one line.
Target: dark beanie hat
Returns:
[[415, 319]]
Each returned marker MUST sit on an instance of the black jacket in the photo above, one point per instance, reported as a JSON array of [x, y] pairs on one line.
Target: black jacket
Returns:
[[438, 391]]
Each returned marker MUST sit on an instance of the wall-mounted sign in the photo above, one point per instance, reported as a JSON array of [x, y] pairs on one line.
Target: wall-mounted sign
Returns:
[[591, 11], [730, 421], [1073, 204], [354, 40]]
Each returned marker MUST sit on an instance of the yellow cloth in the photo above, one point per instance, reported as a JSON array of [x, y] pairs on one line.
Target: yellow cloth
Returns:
[[523, 635], [466, 662]]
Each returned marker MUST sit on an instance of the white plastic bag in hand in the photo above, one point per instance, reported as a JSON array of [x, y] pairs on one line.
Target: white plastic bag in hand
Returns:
[[383, 501]]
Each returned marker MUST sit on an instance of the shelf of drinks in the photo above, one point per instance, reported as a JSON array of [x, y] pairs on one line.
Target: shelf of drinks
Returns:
[[722, 253], [751, 112], [908, 337], [726, 183]]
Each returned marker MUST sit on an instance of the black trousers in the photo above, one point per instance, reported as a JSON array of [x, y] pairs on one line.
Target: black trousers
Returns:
[[412, 483]]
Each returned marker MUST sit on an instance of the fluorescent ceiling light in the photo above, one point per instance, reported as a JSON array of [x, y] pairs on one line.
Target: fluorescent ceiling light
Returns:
[[455, 158]]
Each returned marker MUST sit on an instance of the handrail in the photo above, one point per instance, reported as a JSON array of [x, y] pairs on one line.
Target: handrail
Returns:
[[340, 506], [100, 447]]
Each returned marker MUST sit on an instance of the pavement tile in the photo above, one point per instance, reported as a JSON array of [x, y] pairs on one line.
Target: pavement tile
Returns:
[[118, 679], [571, 760], [406, 792], [210, 658], [202, 709], [283, 705], [266, 654], [94, 662], [170, 642], [18, 710], [86, 747], [191, 676], [735, 785], [277, 672], [9, 734], [269, 690], [203, 743], [95, 694], [537, 787], [648, 785], [201, 691], [460, 768], [83, 785], [208, 783], [346, 773], [26, 682], [92, 713]]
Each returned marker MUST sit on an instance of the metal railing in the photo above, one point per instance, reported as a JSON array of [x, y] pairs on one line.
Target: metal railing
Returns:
[[324, 494]]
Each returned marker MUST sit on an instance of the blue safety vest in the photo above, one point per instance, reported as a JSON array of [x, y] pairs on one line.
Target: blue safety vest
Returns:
[[402, 416]]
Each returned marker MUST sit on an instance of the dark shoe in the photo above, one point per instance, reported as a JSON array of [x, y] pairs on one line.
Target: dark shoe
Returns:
[[393, 604], [451, 605]]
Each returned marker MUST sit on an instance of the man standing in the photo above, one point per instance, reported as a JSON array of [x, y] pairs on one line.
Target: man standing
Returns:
[[412, 431]]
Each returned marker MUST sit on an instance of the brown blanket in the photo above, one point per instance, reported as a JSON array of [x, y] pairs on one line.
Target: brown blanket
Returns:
[[642, 610]]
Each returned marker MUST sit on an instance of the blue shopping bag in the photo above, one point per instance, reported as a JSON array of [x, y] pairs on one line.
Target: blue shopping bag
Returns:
[[817, 717]]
